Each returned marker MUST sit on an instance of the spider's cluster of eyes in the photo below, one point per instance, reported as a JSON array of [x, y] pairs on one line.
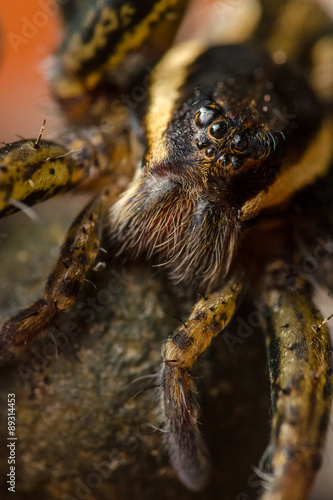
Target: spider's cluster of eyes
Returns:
[[226, 143]]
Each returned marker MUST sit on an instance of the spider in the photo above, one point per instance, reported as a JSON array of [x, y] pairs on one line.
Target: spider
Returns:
[[233, 151]]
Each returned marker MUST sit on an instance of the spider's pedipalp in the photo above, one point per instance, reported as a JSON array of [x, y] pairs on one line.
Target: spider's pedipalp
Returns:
[[179, 408]]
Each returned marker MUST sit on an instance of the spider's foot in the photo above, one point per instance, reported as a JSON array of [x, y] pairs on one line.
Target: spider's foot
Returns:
[[186, 447], [18, 331]]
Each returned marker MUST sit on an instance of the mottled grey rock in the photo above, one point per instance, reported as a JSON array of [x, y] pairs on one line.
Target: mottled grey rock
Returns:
[[86, 426]]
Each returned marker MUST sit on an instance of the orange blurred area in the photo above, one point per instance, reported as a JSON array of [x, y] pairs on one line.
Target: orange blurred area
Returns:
[[30, 32]]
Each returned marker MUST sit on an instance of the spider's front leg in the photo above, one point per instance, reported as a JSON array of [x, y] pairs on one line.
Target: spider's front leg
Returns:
[[179, 406], [34, 171], [301, 369], [77, 256], [91, 72], [97, 43]]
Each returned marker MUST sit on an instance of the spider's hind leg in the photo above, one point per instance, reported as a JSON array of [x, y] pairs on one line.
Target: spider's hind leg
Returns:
[[301, 368]]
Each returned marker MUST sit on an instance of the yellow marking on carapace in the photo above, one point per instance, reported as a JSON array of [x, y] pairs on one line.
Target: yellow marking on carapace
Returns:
[[313, 164], [167, 79]]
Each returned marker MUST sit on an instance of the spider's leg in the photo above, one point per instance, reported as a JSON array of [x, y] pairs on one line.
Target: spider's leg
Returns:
[[68, 10], [77, 256], [33, 171], [107, 45], [178, 402], [310, 47], [300, 366]]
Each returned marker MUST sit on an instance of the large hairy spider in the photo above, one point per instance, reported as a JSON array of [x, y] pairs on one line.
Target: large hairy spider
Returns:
[[232, 149]]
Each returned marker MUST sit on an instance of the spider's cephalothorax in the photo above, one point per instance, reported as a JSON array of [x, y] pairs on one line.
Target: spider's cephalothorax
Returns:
[[229, 135], [220, 142]]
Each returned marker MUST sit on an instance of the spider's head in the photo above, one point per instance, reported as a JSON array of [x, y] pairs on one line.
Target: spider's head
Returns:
[[238, 155], [229, 135], [230, 144], [234, 129], [220, 151], [209, 160]]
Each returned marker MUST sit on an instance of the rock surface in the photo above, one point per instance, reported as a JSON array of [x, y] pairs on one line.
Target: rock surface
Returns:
[[86, 427]]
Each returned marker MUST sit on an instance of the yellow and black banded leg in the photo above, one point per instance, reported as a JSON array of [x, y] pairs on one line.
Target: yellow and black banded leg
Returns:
[[33, 171], [77, 256], [311, 47], [179, 407], [99, 38], [301, 369]]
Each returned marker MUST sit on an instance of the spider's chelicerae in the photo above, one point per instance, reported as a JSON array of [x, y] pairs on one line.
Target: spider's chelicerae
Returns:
[[234, 147]]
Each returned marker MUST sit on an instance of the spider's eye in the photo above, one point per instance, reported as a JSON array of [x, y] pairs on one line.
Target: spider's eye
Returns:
[[240, 143], [205, 116], [236, 162], [210, 152], [218, 130], [202, 142]]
